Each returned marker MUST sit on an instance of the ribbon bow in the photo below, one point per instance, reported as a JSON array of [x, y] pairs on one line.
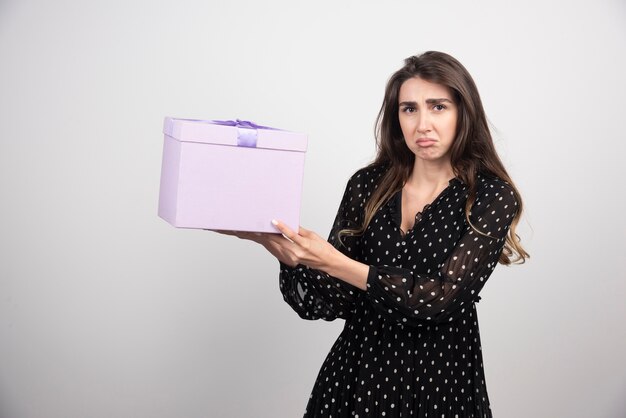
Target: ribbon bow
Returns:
[[246, 131]]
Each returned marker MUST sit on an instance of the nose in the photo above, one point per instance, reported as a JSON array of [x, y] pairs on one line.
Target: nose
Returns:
[[423, 123]]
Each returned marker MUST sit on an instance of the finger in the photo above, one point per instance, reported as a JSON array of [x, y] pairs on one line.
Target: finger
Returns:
[[281, 252], [277, 238], [245, 235], [287, 232], [305, 232], [311, 235], [221, 231], [282, 242]]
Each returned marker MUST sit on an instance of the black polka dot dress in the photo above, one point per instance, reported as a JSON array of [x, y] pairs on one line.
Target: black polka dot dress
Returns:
[[410, 346]]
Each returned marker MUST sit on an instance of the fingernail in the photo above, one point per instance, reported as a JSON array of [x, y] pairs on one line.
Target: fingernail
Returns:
[[274, 222]]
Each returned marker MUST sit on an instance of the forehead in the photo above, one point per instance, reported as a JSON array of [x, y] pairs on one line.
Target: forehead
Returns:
[[416, 88]]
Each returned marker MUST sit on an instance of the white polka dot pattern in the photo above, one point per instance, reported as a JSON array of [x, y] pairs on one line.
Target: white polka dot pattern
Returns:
[[410, 346]]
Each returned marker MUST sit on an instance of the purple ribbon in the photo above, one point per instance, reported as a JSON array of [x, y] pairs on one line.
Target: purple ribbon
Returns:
[[246, 131], [240, 124]]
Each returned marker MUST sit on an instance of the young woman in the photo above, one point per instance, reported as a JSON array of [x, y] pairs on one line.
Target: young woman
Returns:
[[417, 234]]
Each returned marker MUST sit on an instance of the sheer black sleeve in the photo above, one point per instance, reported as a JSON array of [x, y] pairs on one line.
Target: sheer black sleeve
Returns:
[[314, 294], [414, 299]]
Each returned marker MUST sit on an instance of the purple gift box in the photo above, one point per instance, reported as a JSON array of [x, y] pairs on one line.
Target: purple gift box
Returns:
[[230, 175]]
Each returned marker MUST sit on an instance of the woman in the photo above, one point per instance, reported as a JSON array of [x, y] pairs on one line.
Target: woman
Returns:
[[417, 234]]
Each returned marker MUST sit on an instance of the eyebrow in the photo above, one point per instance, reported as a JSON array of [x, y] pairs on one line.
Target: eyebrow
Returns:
[[428, 101]]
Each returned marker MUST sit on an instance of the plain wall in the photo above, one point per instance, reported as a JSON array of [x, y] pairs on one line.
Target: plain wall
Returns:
[[108, 311]]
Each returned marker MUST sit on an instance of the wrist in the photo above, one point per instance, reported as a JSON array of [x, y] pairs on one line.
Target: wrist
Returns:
[[348, 270], [335, 262]]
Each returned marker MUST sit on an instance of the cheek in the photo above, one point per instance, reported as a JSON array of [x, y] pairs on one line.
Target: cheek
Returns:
[[452, 126], [405, 128]]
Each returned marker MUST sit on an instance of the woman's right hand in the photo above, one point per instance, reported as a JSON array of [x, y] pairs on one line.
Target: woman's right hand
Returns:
[[275, 244], [251, 236]]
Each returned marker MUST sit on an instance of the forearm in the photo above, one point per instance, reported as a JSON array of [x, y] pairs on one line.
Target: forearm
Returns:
[[348, 270], [309, 249]]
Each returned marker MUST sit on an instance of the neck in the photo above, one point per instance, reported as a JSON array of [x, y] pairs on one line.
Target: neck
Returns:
[[431, 173]]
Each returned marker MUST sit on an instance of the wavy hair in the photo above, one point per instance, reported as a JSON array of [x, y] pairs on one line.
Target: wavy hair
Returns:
[[472, 151]]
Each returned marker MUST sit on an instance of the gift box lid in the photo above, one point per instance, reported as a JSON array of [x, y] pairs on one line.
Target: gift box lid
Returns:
[[234, 133]]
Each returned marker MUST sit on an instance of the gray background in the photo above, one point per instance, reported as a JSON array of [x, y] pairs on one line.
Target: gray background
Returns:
[[107, 311]]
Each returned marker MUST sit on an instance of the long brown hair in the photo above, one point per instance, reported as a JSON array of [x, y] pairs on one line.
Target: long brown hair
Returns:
[[472, 150]]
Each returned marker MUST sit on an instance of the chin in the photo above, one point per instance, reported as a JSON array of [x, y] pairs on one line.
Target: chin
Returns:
[[428, 157], [432, 157]]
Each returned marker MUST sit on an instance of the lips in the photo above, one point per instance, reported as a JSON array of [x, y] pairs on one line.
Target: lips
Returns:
[[425, 142]]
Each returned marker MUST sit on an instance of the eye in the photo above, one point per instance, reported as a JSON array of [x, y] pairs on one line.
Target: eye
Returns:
[[407, 109], [439, 107]]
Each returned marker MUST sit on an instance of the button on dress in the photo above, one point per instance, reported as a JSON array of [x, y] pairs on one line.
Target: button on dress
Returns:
[[410, 346]]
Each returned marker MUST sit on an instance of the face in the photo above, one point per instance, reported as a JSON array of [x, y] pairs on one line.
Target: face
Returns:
[[428, 117]]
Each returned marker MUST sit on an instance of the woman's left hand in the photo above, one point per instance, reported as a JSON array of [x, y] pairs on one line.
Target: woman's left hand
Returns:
[[308, 248], [304, 247]]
